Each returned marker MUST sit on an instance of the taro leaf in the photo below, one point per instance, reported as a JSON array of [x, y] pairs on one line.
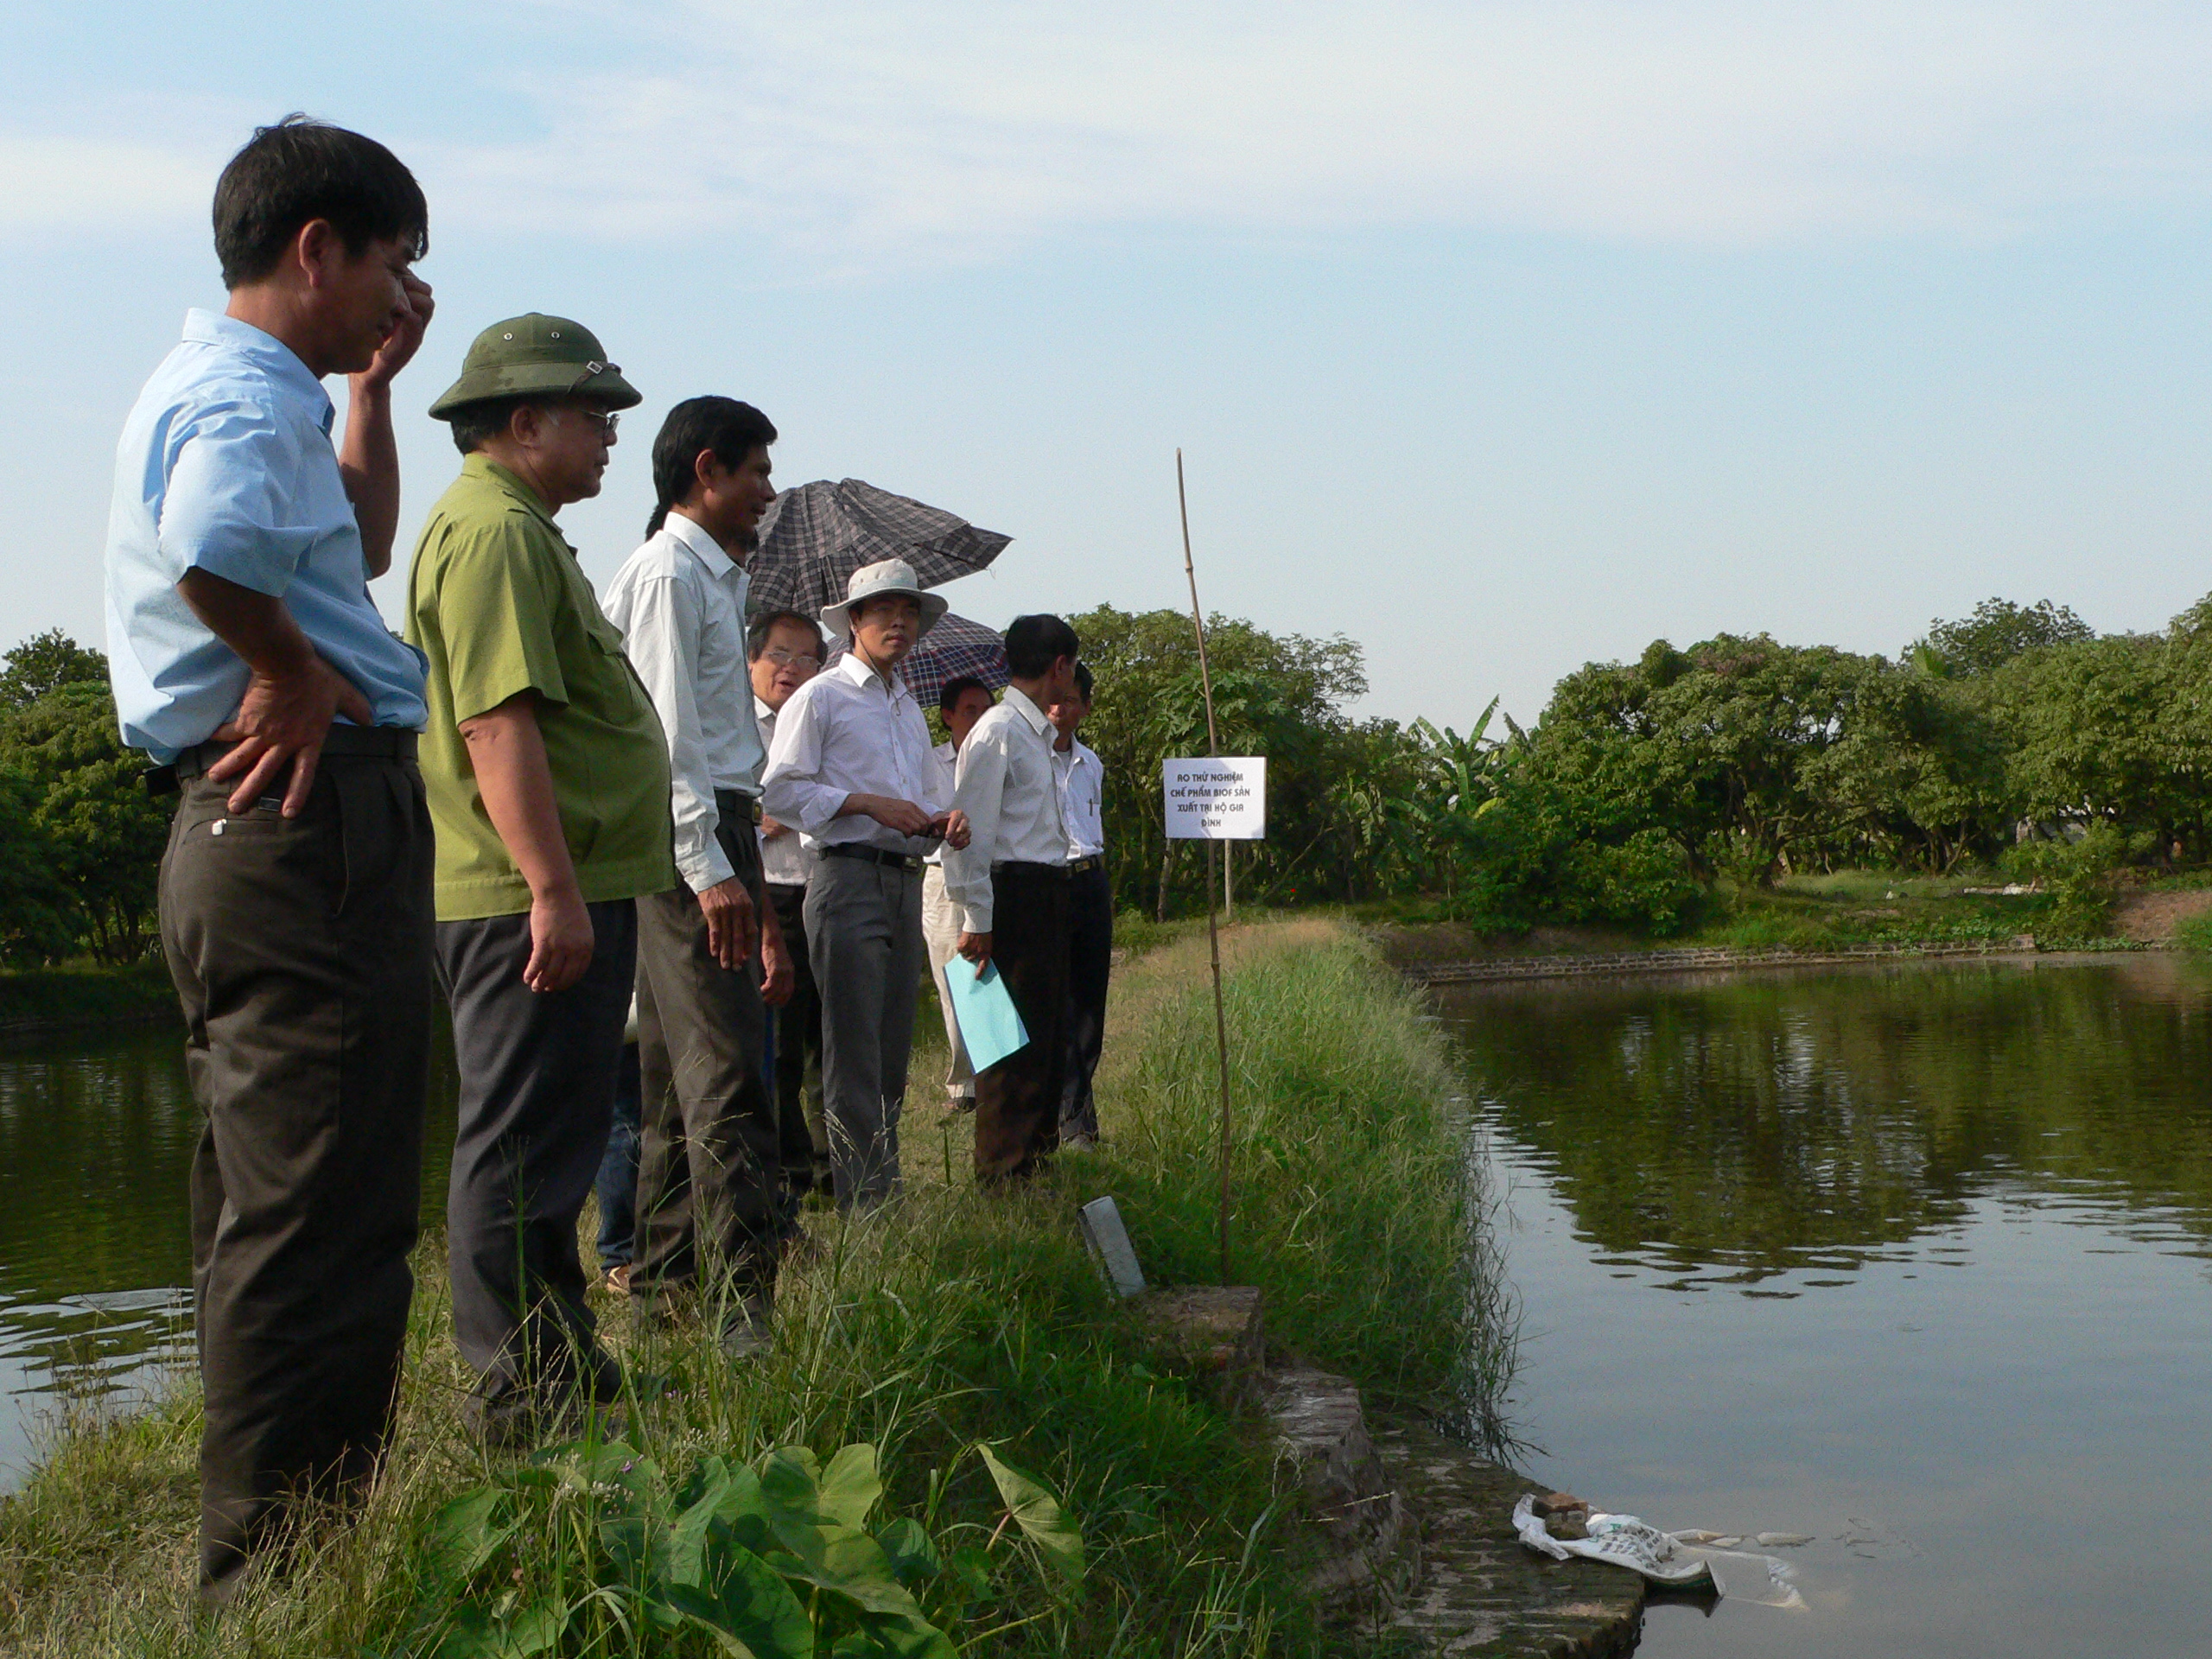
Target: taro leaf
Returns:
[[751, 1611], [791, 1477], [1038, 1513], [909, 1550], [639, 1546], [468, 1532], [703, 1496], [744, 1510], [974, 1569], [892, 1637], [852, 1567], [470, 1635], [850, 1485], [537, 1627]]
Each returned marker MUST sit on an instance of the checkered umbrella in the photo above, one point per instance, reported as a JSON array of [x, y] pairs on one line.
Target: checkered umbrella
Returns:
[[954, 648], [814, 536]]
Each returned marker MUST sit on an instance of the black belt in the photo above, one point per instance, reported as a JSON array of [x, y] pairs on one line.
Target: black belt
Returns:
[[736, 803], [910, 862], [1017, 867], [1088, 862], [362, 742]]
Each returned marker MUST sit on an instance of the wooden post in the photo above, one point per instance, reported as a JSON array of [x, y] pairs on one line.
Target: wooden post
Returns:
[[1213, 932]]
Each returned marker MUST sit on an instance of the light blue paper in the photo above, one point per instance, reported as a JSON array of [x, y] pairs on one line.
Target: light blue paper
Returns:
[[989, 1024]]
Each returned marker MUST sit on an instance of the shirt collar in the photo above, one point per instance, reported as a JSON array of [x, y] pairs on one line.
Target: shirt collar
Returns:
[[1017, 700], [265, 352], [855, 668], [477, 464], [761, 709], [705, 548]]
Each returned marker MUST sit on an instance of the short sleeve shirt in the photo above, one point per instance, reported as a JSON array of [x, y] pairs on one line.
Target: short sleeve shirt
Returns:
[[225, 465], [499, 606]]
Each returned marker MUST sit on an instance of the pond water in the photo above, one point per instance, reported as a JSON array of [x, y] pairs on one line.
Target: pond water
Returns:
[[1916, 1260], [97, 1132]]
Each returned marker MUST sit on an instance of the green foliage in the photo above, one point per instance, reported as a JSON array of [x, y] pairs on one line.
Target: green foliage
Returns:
[[770, 1559], [1998, 632], [2077, 877], [80, 846]]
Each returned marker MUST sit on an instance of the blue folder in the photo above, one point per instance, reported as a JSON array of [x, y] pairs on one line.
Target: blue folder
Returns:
[[989, 1024]]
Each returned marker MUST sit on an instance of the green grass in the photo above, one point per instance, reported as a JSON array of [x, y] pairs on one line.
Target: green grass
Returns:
[[946, 1320], [87, 994]]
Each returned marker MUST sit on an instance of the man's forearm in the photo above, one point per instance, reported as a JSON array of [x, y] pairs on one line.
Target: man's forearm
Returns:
[[508, 753], [256, 625], [369, 462]]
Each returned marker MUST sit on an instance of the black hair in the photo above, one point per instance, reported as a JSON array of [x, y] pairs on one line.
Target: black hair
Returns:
[[1033, 644], [303, 169], [949, 693], [1082, 681], [731, 430], [475, 424], [766, 622]]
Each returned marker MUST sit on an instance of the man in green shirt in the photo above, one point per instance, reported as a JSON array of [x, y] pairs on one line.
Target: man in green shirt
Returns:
[[548, 783]]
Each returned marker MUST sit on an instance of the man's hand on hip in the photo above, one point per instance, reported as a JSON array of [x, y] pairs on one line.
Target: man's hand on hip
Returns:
[[281, 722], [732, 927]]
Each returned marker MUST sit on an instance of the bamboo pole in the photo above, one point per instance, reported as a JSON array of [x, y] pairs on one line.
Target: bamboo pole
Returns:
[[1213, 931]]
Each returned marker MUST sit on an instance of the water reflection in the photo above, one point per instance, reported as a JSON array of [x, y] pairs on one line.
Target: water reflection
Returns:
[[96, 1132], [1744, 1129]]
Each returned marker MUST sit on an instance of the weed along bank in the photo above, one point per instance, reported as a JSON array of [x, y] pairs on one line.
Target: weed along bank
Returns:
[[962, 1438]]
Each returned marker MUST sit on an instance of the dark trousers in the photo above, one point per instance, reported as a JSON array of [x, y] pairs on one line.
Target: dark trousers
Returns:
[[711, 1205], [795, 1053], [301, 950], [537, 1094], [864, 926], [1090, 962], [1017, 1100], [616, 1186]]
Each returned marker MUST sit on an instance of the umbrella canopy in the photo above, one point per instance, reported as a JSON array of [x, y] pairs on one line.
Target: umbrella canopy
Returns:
[[954, 648], [814, 536]]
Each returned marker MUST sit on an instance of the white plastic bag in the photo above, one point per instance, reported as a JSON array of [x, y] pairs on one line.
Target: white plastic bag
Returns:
[[1622, 1540]]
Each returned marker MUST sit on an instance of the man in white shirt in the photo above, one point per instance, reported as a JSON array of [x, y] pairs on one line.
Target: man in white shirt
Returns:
[[962, 703], [1091, 912], [787, 651], [1011, 882], [852, 768], [712, 1212]]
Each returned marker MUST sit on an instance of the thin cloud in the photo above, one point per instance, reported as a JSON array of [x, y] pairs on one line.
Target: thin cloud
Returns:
[[874, 136]]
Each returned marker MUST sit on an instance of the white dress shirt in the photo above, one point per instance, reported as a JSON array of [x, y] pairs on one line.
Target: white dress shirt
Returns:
[[948, 771], [679, 601], [785, 859], [846, 733], [1083, 798], [1011, 794]]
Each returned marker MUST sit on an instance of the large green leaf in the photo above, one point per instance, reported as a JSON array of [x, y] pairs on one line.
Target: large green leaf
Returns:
[[537, 1627], [909, 1550], [750, 1610], [468, 1532], [850, 1485], [1038, 1513]]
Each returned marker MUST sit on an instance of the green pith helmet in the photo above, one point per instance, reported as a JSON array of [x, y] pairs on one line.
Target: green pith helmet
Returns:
[[536, 354]]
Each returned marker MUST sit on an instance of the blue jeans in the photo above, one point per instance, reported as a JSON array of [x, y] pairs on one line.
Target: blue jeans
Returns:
[[617, 1184]]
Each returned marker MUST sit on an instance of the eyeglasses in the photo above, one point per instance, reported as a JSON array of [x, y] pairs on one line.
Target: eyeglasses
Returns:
[[605, 419], [785, 658]]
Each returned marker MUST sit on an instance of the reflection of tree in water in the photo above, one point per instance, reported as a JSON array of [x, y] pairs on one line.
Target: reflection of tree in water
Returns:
[[1775, 1122]]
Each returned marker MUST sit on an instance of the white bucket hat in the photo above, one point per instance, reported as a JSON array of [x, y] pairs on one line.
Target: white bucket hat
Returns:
[[874, 581]]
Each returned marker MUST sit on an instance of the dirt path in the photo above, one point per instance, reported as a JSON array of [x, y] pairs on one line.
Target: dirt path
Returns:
[[2152, 916]]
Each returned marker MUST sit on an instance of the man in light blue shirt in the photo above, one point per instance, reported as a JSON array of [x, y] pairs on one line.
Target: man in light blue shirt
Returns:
[[248, 658]]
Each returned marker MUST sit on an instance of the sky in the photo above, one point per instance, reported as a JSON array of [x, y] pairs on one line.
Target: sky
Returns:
[[1499, 337]]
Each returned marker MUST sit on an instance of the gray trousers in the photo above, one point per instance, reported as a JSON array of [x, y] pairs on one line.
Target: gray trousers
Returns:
[[864, 931], [711, 1204], [535, 1099], [301, 950]]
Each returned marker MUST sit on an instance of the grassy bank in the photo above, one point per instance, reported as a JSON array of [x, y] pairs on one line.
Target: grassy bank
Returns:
[[86, 995], [946, 1321]]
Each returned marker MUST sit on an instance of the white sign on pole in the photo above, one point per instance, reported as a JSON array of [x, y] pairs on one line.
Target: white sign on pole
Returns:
[[1216, 798]]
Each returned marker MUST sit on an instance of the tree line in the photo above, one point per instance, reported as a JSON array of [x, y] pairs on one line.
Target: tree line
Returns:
[[1643, 787]]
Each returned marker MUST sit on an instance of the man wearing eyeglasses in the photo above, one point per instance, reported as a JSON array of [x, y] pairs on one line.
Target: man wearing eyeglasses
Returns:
[[787, 651], [548, 786]]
